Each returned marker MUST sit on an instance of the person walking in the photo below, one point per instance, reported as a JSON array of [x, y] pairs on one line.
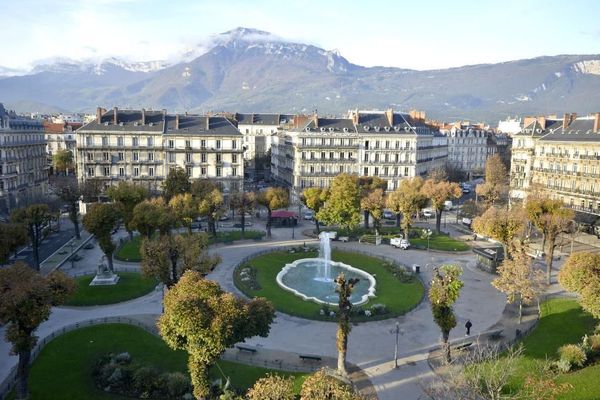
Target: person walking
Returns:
[[468, 325]]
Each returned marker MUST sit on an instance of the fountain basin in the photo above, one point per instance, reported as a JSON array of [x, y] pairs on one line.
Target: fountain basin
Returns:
[[303, 278]]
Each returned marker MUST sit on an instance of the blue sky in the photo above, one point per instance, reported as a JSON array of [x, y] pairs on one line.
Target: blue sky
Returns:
[[407, 34]]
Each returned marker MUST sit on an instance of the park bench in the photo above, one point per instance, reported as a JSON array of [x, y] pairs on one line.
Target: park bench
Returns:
[[245, 348], [308, 357], [495, 335], [463, 345]]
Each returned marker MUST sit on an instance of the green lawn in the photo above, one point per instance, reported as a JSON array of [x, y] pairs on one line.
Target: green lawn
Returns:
[[130, 251], [130, 286], [562, 322], [64, 368], [397, 296], [440, 242]]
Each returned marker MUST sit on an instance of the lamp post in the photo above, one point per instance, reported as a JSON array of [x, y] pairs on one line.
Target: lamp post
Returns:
[[72, 260], [398, 332]]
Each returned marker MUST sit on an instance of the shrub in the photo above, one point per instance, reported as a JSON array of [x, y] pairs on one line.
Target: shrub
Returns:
[[595, 343], [144, 379], [586, 346], [177, 384], [378, 309], [572, 354], [563, 366]]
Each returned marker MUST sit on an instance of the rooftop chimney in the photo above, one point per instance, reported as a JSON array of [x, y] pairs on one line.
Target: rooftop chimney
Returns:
[[355, 116], [176, 121], [99, 111], [116, 116], [143, 116], [316, 119], [389, 113], [597, 122], [566, 121]]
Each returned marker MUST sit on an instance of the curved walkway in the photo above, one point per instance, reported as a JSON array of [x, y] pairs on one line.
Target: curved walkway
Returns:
[[371, 345]]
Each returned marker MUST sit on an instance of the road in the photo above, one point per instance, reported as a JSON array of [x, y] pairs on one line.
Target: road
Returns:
[[50, 244]]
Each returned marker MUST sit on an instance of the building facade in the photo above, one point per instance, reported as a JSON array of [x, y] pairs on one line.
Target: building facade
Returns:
[[60, 136], [23, 162], [392, 146], [560, 157], [142, 146], [469, 147]]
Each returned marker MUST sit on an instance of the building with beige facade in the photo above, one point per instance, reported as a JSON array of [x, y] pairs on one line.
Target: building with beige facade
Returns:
[[60, 136], [142, 146], [23, 162], [561, 157], [392, 146]]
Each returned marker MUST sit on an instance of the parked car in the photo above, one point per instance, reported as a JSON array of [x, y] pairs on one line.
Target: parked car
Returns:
[[448, 205], [387, 214], [309, 215], [400, 243], [467, 222], [427, 213], [466, 188]]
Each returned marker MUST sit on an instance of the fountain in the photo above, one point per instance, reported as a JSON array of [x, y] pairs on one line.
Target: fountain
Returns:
[[313, 278]]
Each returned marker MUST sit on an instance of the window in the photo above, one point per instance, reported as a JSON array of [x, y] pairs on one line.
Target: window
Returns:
[[219, 158], [218, 171], [203, 157], [376, 171], [366, 145], [120, 141], [90, 171], [150, 156], [136, 171], [366, 157], [149, 141], [234, 158], [90, 156], [303, 155], [405, 171], [322, 155], [104, 141], [120, 155], [188, 171], [188, 144], [385, 171], [105, 156], [136, 156], [303, 141], [234, 144], [106, 171], [331, 155], [387, 144], [121, 171], [203, 143], [234, 171], [376, 158], [135, 142], [151, 171], [312, 169], [218, 144], [89, 141], [312, 155], [203, 171], [188, 157], [171, 143], [366, 171], [171, 157]]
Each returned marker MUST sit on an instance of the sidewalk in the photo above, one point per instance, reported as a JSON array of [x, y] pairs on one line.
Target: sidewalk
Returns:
[[64, 253]]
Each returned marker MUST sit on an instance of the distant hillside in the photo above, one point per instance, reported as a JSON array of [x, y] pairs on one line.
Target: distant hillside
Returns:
[[248, 70]]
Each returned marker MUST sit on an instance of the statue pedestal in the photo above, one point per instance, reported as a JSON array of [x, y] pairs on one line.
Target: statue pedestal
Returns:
[[105, 279]]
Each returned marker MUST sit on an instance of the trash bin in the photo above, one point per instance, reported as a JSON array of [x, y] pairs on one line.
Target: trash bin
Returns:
[[416, 268]]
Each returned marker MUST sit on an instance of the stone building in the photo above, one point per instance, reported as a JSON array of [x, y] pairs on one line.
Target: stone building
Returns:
[[23, 162], [142, 146], [390, 145], [60, 136]]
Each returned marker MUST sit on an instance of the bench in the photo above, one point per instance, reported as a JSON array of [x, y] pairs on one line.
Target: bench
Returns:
[[248, 349], [308, 357], [463, 345], [343, 238], [495, 335]]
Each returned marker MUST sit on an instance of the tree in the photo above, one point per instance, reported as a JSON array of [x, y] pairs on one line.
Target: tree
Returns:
[[367, 185], [34, 217], [243, 203], [439, 174], [70, 193], [374, 203], [455, 173], [168, 257], [496, 181], [177, 182], [500, 224], [91, 189], [322, 386], [469, 209], [443, 293], [12, 236], [272, 198], [127, 195], [272, 387], [519, 280], [100, 220], [552, 218], [315, 198], [439, 193], [581, 274], [185, 209], [342, 207], [203, 320], [211, 206], [344, 289], [152, 214], [26, 299], [408, 200], [62, 161]]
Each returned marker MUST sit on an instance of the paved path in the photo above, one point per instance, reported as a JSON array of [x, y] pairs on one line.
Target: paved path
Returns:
[[371, 345]]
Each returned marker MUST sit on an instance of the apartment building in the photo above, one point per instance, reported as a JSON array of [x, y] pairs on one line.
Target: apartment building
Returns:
[[390, 145], [257, 131], [142, 146], [469, 147], [60, 136], [562, 158], [23, 163]]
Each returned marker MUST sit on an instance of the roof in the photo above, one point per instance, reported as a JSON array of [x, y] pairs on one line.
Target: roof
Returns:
[[263, 119], [580, 130], [331, 125], [586, 218], [283, 214], [200, 125]]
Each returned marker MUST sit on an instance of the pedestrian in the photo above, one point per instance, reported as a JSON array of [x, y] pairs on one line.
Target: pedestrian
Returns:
[[468, 325]]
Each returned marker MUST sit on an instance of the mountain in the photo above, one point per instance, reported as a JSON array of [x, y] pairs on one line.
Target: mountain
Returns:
[[250, 70]]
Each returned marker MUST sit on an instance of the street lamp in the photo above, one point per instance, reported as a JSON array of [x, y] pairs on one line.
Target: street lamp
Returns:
[[398, 332], [426, 234], [72, 260]]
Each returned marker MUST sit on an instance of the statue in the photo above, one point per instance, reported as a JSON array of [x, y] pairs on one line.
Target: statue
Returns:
[[104, 276], [103, 268]]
